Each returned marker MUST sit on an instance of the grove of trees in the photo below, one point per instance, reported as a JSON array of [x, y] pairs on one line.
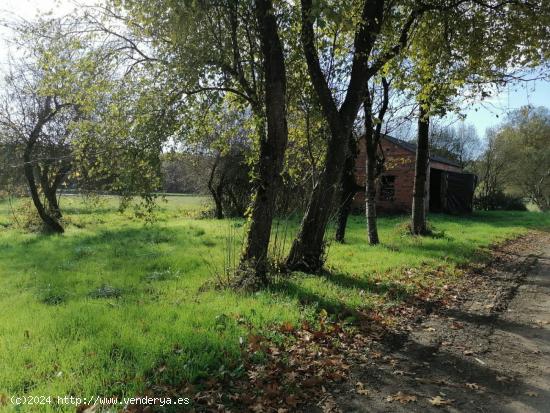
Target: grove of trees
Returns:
[[270, 99]]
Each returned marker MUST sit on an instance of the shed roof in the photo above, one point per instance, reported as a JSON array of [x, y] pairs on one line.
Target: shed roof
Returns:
[[412, 148]]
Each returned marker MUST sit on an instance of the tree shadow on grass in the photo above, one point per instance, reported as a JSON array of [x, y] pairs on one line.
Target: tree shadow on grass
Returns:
[[455, 251], [362, 286], [530, 220]]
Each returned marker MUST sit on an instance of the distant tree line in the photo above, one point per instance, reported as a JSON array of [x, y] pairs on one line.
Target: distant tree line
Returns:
[[515, 164]]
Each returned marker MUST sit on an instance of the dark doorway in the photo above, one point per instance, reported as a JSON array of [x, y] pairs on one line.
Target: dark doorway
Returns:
[[459, 192], [435, 190]]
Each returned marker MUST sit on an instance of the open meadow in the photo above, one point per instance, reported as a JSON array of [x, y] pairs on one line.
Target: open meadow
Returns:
[[115, 305]]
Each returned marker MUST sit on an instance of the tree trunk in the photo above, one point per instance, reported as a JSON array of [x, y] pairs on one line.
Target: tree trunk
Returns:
[[51, 223], [272, 146], [374, 163], [418, 224], [370, 195], [49, 189], [53, 206], [216, 191], [349, 188], [217, 194], [60, 176], [46, 113], [218, 212], [308, 248], [371, 147]]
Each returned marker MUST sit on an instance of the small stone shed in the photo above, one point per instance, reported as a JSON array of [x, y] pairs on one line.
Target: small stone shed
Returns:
[[450, 189]]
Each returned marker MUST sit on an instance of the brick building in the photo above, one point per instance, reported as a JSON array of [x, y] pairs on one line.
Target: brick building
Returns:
[[450, 189]]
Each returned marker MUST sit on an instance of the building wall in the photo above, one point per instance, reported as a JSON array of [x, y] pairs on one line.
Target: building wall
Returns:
[[399, 163]]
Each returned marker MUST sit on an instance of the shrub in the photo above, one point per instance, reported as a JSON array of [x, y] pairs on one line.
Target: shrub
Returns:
[[500, 201], [26, 217]]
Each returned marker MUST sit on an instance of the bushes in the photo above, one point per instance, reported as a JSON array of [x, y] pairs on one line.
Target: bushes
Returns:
[[499, 201], [26, 217]]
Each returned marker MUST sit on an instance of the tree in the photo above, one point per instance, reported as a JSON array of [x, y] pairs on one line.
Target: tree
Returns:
[[460, 143], [489, 168], [229, 184], [384, 109], [224, 48], [272, 147], [374, 163], [222, 139], [524, 142], [46, 94], [468, 47], [421, 167], [183, 173], [307, 249]]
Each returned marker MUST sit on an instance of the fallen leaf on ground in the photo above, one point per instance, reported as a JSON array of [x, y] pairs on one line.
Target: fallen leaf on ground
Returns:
[[360, 389], [312, 381], [291, 400], [292, 376], [258, 408], [287, 327], [401, 398], [272, 389], [439, 401], [330, 406]]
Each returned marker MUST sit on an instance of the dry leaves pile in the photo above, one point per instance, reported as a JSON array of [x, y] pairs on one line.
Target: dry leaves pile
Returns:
[[295, 372]]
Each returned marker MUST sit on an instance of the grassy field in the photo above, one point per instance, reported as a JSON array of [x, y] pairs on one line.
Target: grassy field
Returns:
[[114, 306]]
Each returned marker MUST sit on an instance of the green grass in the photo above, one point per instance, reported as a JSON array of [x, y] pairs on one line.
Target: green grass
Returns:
[[114, 306]]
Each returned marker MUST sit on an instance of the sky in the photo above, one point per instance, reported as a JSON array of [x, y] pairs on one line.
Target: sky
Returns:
[[30, 8], [482, 115], [11, 10], [493, 111]]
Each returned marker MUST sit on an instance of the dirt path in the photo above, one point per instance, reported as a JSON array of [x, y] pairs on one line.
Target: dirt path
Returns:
[[491, 353]]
